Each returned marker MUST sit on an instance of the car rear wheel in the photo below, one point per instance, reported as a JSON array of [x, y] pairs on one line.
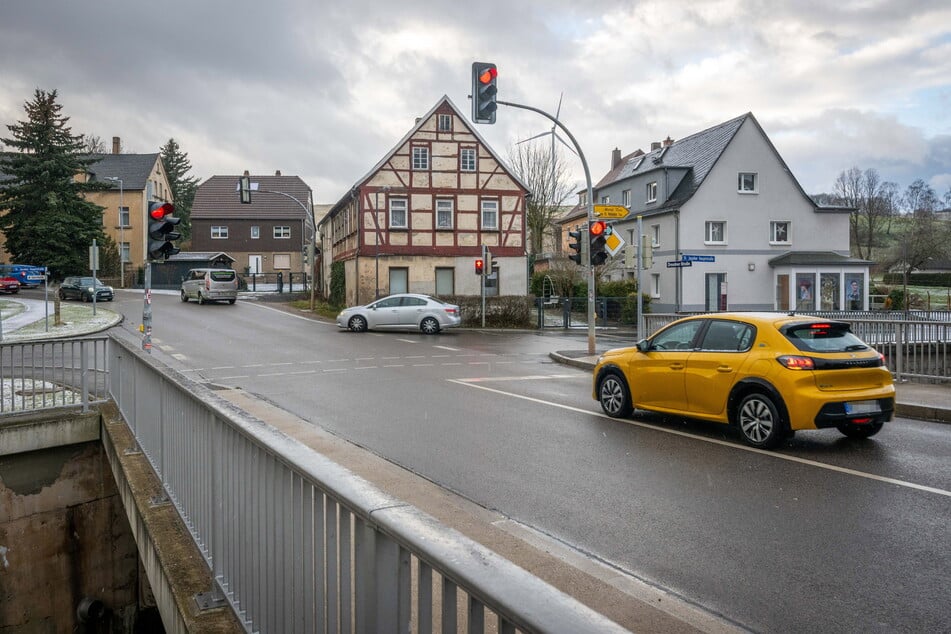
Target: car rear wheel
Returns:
[[429, 326], [357, 324], [759, 421], [184, 297], [614, 396], [854, 430]]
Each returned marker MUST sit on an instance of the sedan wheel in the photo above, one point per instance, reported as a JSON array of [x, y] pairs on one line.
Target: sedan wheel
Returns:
[[614, 396], [759, 421], [357, 324], [429, 326], [853, 430], [62, 295]]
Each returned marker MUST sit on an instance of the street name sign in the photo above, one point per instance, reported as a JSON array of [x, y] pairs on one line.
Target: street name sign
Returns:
[[676, 264], [698, 258], [613, 212]]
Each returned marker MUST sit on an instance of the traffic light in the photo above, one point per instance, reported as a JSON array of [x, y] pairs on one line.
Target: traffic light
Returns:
[[484, 90], [479, 266], [162, 233], [598, 235], [575, 246]]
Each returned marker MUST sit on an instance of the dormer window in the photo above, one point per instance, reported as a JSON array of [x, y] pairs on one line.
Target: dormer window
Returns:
[[445, 123], [652, 192], [746, 183]]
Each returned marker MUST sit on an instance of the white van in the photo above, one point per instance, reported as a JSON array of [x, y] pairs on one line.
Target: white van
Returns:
[[210, 285]]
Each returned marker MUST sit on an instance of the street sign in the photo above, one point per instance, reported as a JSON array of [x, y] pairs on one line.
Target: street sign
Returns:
[[613, 212], [698, 258], [676, 264], [614, 243]]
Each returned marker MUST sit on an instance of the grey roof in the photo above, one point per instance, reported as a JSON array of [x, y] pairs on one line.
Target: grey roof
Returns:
[[200, 256], [816, 258], [218, 197], [133, 169]]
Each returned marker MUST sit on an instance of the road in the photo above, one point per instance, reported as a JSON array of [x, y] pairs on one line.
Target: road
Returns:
[[828, 534]]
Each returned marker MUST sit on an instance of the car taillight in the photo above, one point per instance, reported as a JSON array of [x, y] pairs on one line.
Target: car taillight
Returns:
[[793, 362], [207, 285], [451, 311]]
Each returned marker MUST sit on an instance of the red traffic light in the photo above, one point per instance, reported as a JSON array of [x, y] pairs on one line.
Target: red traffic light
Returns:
[[159, 211], [597, 227], [488, 75], [479, 266]]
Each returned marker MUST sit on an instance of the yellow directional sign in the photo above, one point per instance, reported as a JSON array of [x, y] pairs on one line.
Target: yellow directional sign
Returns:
[[611, 211]]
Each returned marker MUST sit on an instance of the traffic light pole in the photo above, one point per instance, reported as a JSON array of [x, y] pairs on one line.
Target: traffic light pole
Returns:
[[587, 176]]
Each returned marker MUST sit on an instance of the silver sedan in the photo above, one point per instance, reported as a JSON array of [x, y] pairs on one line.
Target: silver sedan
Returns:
[[404, 311]]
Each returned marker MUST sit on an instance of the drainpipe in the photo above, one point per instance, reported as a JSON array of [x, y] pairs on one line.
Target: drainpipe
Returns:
[[679, 278]]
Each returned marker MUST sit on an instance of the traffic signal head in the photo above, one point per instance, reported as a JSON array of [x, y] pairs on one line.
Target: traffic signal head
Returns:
[[484, 90], [479, 266], [575, 246], [598, 234], [162, 233]]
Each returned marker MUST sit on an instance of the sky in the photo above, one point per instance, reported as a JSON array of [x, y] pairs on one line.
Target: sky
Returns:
[[324, 90]]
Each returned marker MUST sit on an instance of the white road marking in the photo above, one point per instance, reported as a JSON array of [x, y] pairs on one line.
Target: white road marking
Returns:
[[448, 348], [714, 441], [179, 356], [406, 340]]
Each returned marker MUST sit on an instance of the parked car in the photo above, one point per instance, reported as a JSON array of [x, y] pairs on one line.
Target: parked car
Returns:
[[82, 288], [210, 285], [767, 374], [9, 285], [26, 274], [403, 311]]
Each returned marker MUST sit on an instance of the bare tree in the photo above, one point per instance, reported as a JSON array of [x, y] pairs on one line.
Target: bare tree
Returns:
[[920, 197], [874, 201], [545, 173], [93, 144]]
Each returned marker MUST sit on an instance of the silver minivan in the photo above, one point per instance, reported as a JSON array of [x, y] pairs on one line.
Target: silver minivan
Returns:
[[210, 285]]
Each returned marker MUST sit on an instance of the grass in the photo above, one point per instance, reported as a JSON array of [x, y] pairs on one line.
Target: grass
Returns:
[[321, 308]]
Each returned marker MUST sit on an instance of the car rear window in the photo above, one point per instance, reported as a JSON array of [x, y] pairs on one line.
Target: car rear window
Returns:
[[823, 337], [222, 276]]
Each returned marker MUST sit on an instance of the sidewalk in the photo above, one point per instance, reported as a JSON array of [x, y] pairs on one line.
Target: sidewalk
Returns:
[[924, 401]]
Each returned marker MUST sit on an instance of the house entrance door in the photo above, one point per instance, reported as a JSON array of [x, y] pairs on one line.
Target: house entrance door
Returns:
[[254, 264], [716, 292]]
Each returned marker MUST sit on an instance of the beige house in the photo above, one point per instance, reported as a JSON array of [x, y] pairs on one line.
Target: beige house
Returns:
[[421, 216]]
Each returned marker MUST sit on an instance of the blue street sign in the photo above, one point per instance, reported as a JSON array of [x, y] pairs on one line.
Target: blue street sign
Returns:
[[676, 264], [698, 258]]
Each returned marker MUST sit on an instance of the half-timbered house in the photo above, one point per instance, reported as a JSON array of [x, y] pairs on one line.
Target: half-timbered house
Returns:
[[421, 216]]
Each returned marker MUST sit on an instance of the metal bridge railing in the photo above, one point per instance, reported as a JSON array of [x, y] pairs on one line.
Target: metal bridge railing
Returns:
[[296, 543], [47, 374]]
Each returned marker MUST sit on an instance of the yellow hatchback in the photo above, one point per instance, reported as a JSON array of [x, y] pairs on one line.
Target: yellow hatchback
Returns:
[[767, 374]]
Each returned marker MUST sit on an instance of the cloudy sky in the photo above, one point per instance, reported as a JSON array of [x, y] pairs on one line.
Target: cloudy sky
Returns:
[[324, 89]]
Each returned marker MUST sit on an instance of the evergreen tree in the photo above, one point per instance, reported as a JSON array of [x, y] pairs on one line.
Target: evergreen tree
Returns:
[[183, 186], [47, 222]]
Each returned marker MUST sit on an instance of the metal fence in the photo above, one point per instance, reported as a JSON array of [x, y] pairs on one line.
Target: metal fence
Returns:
[[916, 345], [42, 375], [296, 543]]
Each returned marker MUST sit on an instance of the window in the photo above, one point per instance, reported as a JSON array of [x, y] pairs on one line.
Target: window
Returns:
[[655, 235], [467, 159], [282, 233], [420, 158], [655, 284], [125, 252], [123, 216], [652, 192], [605, 200], [445, 282], [444, 213], [490, 214], [779, 232], [626, 198], [255, 232], [746, 183], [716, 232], [282, 261], [445, 123], [398, 218], [219, 232]]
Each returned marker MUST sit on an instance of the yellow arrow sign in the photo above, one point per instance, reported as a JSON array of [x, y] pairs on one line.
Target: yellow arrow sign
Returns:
[[611, 211]]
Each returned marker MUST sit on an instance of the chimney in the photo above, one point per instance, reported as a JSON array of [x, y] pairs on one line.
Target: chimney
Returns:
[[668, 141], [277, 172], [655, 145], [615, 158], [115, 145]]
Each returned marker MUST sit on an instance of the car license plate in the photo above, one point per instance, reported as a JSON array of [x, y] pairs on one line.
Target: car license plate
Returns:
[[862, 407]]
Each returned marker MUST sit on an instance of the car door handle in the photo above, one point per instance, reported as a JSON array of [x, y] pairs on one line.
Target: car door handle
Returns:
[[724, 368], [676, 366]]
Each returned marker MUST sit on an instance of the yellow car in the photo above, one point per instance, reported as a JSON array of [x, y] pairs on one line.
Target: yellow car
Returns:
[[767, 374]]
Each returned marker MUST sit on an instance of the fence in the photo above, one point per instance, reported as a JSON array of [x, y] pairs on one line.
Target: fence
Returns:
[[572, 312], [42, 375], [916, 344], [296, 543]]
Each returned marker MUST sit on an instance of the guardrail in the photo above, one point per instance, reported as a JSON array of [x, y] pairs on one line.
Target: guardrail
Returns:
[[913, 348], [46, 374], [296, 543]]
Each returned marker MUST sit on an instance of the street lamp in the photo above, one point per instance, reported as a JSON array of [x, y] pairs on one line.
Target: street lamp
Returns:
[[121, 234]]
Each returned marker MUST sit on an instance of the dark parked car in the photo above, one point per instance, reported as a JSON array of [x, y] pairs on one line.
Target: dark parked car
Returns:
[[82, 288]]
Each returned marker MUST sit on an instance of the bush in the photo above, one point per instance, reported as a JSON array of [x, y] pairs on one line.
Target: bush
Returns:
[[509, 311], [942, 280]]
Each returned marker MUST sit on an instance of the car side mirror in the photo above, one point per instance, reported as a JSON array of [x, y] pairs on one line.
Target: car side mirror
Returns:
[[643, 345]]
